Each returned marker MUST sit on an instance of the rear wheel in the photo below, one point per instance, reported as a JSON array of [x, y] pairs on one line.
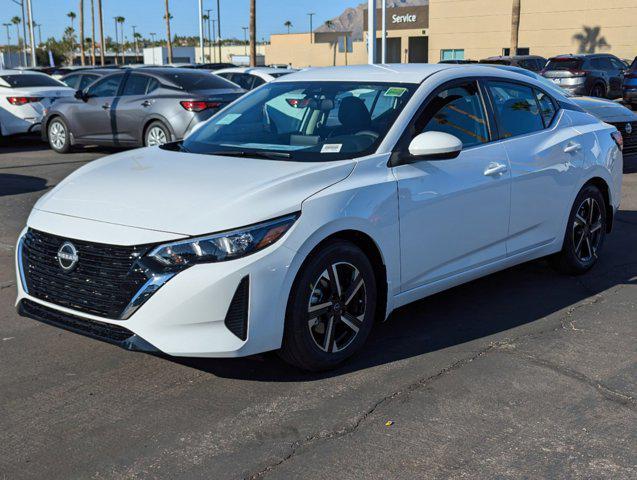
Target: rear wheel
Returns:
[[59, 136], [585, 233], [598, 90], [156, 134], [331, 308]]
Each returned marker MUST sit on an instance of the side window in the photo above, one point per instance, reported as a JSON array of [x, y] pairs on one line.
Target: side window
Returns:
[[72, 81], [617, 65], [601, 63], [243, 80], [516, 108], [153, 84], [257, 81], [135, 85], [547, 108], [107, 87], [457, 110], [86, 81]]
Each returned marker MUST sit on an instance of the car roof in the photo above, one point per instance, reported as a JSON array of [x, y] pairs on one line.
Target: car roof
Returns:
[[20, 72], [396, 73], [582, 55], [94, 71], [512, 57], [255, 70]]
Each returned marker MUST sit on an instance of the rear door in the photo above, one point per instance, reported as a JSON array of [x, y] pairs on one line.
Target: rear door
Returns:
[[616, 77], [543, 150], [94, 119], [133, 106]]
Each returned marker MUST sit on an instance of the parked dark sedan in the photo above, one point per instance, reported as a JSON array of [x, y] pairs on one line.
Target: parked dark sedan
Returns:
[[137, 107], [535, 63], [595, 75]]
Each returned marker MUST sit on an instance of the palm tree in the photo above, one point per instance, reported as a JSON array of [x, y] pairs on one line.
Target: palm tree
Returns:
[[92, 33], [120, 21], [102, 46], [16, 21], [82, 59], [253, 33], [329, 24], [288, 25], [515, 26], [169, 42], [72, 16]]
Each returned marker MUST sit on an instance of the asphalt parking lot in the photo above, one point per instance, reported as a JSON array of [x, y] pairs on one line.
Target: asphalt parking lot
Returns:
[[523, 374]]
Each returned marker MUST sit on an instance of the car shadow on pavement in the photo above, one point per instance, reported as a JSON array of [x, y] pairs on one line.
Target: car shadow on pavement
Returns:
[[497, 303], [12, 184]]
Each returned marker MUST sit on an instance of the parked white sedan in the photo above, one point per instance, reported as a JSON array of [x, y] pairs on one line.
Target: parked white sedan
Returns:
[[250, 78], [314, 206], [24, 95]]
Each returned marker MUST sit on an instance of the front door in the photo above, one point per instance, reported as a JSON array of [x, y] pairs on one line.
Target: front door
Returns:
[[454, 214], [94, 118]]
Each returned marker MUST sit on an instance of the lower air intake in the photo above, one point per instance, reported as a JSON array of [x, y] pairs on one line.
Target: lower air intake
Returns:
[[237, 317]]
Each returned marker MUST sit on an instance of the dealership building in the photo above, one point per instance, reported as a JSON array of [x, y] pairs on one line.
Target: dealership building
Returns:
[[471, 29]]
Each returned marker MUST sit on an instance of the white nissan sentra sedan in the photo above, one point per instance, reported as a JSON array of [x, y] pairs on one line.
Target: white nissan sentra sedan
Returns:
[[315, 205]]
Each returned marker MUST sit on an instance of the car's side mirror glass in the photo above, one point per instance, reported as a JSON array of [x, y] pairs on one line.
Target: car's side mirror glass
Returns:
[[435, 146]]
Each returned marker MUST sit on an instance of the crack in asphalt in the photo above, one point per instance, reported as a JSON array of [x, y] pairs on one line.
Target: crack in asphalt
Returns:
[[607, 392], [354, 425], [505, 346], [4, 285]]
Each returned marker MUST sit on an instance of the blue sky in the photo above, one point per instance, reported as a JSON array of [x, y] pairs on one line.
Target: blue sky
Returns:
[[147, 15]]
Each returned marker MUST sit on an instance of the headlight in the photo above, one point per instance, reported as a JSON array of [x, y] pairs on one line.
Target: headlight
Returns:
[[219, 247]]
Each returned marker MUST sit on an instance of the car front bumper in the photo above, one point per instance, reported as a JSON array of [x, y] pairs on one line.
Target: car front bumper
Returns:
[[630, 94], [188, 315]]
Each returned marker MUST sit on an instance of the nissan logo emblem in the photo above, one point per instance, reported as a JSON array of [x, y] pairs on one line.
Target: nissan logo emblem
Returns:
[[629, 128], [67, 256]]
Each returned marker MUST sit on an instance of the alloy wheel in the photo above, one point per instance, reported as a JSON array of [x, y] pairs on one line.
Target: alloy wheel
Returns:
[[587, 230], [57, 135], [336, 309], [155, 136]]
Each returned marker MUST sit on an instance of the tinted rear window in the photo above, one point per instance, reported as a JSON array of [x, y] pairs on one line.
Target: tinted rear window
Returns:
[[193, 81], [564, 64], [21, 81]]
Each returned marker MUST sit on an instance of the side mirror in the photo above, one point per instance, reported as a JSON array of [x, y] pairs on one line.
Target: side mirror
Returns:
[[435, 146], [80, 95]]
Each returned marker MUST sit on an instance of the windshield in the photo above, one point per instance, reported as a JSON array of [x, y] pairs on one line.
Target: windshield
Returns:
[[304, 121], [28, 80]]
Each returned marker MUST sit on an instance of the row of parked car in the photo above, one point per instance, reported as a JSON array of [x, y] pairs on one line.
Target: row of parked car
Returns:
[[148, 106], [595, 75]]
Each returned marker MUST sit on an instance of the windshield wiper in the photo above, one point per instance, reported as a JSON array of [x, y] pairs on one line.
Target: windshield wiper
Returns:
[[252, 153]]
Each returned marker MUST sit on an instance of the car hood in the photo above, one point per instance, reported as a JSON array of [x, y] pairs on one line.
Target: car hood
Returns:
[[605, 110], [189, 194]]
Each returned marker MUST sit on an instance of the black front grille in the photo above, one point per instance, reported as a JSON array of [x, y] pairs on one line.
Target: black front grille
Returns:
[[103, 282], [630, 139]]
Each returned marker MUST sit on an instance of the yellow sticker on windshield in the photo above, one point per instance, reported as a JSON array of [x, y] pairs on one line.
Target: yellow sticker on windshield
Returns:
[[395, 92]]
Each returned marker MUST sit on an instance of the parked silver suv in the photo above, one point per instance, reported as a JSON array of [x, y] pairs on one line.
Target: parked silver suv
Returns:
[[137, 107]]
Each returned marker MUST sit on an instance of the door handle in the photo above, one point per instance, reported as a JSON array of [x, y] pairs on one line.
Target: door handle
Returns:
[[494, 169], [572, 147], [146, 103], [106, 106]]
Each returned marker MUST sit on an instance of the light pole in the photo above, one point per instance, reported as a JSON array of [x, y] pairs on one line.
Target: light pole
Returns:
[[219, 28], [152, 37], [214, 38], [116, 43], [245, 40], [311, 35], [201, 49], [210, 33], [34, 60], [24, 31], [371, 32], [383, 32]]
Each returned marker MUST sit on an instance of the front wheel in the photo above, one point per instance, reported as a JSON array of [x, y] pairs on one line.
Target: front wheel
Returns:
[[331, 308], [585, 233], [59, 136]]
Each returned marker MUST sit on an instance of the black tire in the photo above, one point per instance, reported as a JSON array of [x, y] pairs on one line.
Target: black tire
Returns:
[[598, 90], [585, 233], [59, 135], [149, 140], [301, 338]]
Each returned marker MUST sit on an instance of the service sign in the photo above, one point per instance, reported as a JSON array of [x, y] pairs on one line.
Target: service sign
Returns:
[[403, 18]]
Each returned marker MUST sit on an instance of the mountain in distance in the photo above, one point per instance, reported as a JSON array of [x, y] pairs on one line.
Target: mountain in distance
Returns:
[[351, 20]]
